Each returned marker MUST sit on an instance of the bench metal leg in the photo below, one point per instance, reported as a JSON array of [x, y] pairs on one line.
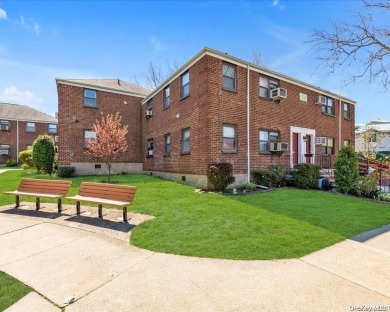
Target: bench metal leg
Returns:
[[37, 203], [100, 211], [78, 208], [17, 202], [124, 214], [59, 205]]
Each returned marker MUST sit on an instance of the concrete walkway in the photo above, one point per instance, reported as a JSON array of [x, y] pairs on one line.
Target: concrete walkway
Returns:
[[104, 273]]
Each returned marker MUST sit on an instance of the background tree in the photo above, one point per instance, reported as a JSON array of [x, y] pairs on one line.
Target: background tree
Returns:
[[368, 141], [363, 44], [110, 139], [43, 154]]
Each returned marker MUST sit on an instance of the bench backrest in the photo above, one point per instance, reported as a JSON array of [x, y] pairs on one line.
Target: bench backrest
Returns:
[[58, 187], [108, 191]]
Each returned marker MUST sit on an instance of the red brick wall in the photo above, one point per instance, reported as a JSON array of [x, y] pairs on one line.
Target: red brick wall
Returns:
[[209, 107], [73, 118], [25, 138]]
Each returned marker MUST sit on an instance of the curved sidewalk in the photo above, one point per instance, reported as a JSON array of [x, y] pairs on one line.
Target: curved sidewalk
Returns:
[[105, 273]]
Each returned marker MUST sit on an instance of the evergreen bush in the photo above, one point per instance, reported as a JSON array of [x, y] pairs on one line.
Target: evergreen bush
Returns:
[[346, 170], [43, 154], [275, 176], [220, 175], [66, 171], [306, 175], [26, 158]]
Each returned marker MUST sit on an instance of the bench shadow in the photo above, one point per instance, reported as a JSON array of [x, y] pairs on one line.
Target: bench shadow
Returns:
[[363, 237], [33, 213], [102, 223]]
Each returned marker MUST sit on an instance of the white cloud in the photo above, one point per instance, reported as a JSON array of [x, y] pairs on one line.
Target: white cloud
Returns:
[[157, 45], [277, 4], [33, 26], [3, 14], [14, 96]]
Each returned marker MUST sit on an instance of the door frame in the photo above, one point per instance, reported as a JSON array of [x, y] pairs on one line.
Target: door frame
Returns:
[[301, 143]]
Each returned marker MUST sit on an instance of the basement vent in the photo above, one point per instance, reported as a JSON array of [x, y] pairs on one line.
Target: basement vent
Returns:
[[98, 166], [183, 178]]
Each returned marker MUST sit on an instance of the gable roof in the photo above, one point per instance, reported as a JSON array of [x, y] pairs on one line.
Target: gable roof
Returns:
[[110, 85], [251, 66], [24, 113]]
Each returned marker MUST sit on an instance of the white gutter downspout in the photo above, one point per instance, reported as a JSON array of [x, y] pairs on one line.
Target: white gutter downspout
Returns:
[[17, 139], [248, 128], [340, 112]]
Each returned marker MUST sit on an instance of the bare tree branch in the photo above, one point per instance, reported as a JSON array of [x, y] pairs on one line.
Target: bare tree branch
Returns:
[[363, 45]]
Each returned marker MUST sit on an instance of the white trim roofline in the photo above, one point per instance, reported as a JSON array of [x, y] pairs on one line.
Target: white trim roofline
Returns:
[[95, 87], [29, 120], [242, 63]]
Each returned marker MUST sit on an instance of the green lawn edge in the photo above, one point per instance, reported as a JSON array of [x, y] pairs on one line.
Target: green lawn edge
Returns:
[[280, 224], [11, 290]]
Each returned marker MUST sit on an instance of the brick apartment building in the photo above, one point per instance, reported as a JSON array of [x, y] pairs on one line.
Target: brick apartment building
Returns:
[[20, 125], [80, 104], [218, 108]]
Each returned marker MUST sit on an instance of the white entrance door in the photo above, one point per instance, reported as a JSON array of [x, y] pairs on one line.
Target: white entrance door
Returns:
[[302, 145]]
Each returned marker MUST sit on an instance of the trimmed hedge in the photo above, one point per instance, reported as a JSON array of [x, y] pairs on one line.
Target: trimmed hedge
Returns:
[[346, 170], [66, 171], [220, 175], [275, 176], [306, 175], [43, 154], [11, 163], [26, 158]]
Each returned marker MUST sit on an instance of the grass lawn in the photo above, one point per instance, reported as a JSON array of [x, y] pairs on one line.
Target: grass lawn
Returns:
[[11, 290], [285, 223]]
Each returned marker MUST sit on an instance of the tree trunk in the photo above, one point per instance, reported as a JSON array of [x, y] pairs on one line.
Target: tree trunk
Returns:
[[109, 171]]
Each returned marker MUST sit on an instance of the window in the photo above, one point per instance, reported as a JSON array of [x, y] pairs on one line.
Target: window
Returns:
[[4, 125], [347, 114], [303, 97], [52, 129], [167, 147], [327, 146], [30, 127], [149, 146], [185, 85], [90, 98], [167, 97], [5, 150], [328, 108], [265, 138], [229, 76], [149, 108], [229, 138], [185, 141], [88, 135], [347, 143], [266, 85]]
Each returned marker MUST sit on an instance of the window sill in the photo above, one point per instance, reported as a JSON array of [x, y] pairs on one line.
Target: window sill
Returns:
[[230, 90], [329, 115], [229, 152], [164, 108], [90, 106], [167, 155], [184, 153], [349, 119], [31, 132], [265, 99], [184, 97]]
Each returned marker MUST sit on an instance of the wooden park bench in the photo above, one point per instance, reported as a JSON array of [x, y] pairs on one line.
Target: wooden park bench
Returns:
[[41, 188], [103, 193]]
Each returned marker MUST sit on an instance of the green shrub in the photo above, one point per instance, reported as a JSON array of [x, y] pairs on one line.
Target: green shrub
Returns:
[[249, 186], [11, 163], [66, 171], [55, 165], [26, 158], [220, 175], [306, 175], [346, 169], [273, 177], [384, 197], [43, 154], [366, 186]]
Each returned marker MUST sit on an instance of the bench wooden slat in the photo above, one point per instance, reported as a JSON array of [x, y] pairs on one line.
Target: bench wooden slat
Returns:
[[104, 193], [41, 188]]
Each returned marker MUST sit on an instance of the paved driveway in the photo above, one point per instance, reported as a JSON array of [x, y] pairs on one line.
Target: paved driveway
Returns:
[[61, 257]]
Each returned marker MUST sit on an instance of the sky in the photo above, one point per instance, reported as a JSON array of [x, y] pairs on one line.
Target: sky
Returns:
[[44, 40]]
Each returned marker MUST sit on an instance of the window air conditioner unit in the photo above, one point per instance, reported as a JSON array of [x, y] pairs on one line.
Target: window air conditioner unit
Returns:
[[56, 138], [320, 99], [4, 127], [278, 93], [149, 113], [150, 153], [320, 140], [278, 147]]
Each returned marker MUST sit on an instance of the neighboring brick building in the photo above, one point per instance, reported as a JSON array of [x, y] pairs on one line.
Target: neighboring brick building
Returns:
[[20, 125], [80, 103], [207, 112]]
